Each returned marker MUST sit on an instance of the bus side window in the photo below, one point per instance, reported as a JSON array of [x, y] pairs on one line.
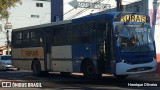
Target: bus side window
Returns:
[[100, 31], [34, 38], [76, 33], [73, 33], [25, 36], [88, 33], [69, 34], [17, 39], [59, 35]]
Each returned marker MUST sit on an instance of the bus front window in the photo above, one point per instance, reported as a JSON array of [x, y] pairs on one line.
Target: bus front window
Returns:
[[134, 38]]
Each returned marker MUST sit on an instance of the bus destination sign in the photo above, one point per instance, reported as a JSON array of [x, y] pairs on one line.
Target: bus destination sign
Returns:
[[132, 18], [32, 53]]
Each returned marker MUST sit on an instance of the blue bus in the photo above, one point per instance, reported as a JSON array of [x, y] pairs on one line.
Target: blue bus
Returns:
[[118, 43]]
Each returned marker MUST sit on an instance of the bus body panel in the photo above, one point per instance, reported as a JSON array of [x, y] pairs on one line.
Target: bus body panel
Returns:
[[125, 69], [23, 57], [62, 56], [82, 52], [137, 58]]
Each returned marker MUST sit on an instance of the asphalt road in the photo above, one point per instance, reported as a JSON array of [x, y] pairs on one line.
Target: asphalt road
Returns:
[[21, 80]]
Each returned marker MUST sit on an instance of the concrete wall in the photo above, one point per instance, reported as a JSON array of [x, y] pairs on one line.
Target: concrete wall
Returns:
[[22, 16]]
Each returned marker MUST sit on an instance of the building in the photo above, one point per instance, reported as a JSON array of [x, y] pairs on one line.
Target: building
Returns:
[[30, 13], [26, 13], [4, 51]]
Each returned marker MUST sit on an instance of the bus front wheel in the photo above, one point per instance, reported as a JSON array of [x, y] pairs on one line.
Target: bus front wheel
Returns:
[[36, 68], [89, 70]]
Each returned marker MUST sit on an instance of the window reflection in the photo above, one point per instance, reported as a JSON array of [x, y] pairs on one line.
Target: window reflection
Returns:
[[134, 38]]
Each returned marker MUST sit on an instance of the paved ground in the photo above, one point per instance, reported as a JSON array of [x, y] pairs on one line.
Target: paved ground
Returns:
[[55, 81]]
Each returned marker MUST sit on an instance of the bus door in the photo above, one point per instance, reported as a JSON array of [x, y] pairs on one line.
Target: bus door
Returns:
[[47, 50], [110, 50], [103, 47]]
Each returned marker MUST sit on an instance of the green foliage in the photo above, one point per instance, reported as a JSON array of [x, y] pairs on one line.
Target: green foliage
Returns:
[[5, 5]]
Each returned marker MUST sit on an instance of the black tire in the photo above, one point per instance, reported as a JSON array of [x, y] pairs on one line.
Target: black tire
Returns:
[[89, 70], [36, 68], [121, 76]]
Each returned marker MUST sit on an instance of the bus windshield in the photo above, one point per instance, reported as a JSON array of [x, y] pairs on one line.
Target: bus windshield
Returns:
[[134, 37]]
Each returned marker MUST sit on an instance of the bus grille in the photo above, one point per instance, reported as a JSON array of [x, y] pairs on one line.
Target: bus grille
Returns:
[[139, 69]]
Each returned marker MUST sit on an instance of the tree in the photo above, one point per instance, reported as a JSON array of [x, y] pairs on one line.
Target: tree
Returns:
[[5, 5]]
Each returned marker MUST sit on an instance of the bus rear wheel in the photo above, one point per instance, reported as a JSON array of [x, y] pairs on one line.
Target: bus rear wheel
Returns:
[[89, 70], [36, 68]]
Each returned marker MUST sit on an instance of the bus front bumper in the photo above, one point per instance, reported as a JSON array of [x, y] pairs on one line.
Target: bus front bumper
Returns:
[[126, 69]]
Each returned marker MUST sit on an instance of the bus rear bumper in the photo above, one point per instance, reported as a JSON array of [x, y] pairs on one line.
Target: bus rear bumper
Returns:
[[126, 69]]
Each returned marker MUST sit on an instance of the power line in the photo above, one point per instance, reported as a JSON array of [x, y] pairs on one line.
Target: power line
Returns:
[[80, 12], [132, 1], [71, 9]]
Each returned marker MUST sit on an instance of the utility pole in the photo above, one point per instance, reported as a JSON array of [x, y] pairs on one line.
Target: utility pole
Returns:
[[155, 7], [7, 26], [119, 5], [154, 15], [7, 34]]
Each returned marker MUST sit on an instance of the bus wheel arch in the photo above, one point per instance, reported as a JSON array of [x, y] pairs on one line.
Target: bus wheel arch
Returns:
[[36, 67], [88, 69], [82, 63], [33, 62]]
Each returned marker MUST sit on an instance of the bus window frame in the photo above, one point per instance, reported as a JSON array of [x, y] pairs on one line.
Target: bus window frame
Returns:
[[25, 38], [14, 41], [87, 39], [75, 35], [58, 35], [35, 41]]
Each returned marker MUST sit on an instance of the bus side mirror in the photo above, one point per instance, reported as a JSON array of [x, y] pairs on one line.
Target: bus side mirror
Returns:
[[41, 40]]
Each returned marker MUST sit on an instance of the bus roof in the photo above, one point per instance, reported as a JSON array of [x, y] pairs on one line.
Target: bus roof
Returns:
[[107, 15], [43, 25], [97, 16]]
